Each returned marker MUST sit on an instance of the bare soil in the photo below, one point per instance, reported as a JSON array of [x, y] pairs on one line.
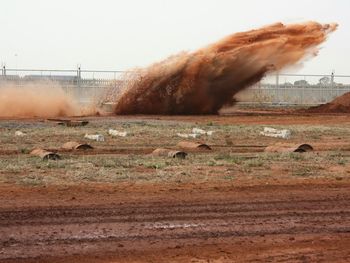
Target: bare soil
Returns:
[[308, 222], [234, 204]]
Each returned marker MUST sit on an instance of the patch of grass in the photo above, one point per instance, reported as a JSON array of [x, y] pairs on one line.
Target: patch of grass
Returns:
[[31, 180], [341, 162], [337, 158], [296, 156], [212, 163], [228, 158], [13, 168], [24, 151], [54, 164], [110, 161], [107, 163], [255, 162], [222, 156], [156, 163], [303, 172]]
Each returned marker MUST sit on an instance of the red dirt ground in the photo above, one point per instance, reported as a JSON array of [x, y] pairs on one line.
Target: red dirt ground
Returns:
[[235, 116], [168, 223], [272, 220], [268, 117]]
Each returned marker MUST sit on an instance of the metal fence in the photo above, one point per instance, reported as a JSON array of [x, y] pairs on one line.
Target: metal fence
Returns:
[[84, 85], [64, 77], [296, 89], [289, 89]]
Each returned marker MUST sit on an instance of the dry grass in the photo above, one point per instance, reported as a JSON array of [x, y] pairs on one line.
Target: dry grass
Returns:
[[225, 162]]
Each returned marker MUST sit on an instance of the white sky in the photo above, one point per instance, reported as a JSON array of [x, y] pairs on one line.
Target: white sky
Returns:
[[117, 35]]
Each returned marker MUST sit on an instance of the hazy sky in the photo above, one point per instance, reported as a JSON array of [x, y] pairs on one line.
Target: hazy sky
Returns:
[[118, 35]]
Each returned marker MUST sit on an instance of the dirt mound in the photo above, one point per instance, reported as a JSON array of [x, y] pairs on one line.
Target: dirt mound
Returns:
[[340, 104], [202, 82]]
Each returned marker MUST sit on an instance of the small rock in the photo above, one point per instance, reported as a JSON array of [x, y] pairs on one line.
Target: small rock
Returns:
[[20, 134], [95, 137], [117, 133]]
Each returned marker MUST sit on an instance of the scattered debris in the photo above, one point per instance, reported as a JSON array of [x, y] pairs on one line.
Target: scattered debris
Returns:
[[95, 137], [169, 153], [69, 123], [45, 155], [193, 145], [190, 135], [196, 133], [289, 148], [117, 133], [271, 132], [76, 146], [20, 134], [202, 132]]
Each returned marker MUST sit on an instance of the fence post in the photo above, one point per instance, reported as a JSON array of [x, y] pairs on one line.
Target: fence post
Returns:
[[302, 102], [115, 81], [278, 92], [78, 76]]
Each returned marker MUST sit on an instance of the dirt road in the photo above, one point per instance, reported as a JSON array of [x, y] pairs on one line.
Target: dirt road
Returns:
[[221, 223]]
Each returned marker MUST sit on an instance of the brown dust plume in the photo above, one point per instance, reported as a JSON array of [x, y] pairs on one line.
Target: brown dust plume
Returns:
[[36, 100], [202, 82]]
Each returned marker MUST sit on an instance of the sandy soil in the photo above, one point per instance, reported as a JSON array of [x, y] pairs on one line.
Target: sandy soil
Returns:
[[273, 219]]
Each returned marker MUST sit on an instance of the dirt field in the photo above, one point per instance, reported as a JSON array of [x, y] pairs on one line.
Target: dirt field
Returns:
[[235, 203]]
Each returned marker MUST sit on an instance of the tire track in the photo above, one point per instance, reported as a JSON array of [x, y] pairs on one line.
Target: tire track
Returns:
[[36, 232]]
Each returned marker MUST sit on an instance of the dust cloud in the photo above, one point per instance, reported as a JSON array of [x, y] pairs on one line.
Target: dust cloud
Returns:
[[203, 81], [37, 100]]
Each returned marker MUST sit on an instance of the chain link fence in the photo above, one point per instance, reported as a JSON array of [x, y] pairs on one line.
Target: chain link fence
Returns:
[[84, 85], [295, 89], [278, 89]]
